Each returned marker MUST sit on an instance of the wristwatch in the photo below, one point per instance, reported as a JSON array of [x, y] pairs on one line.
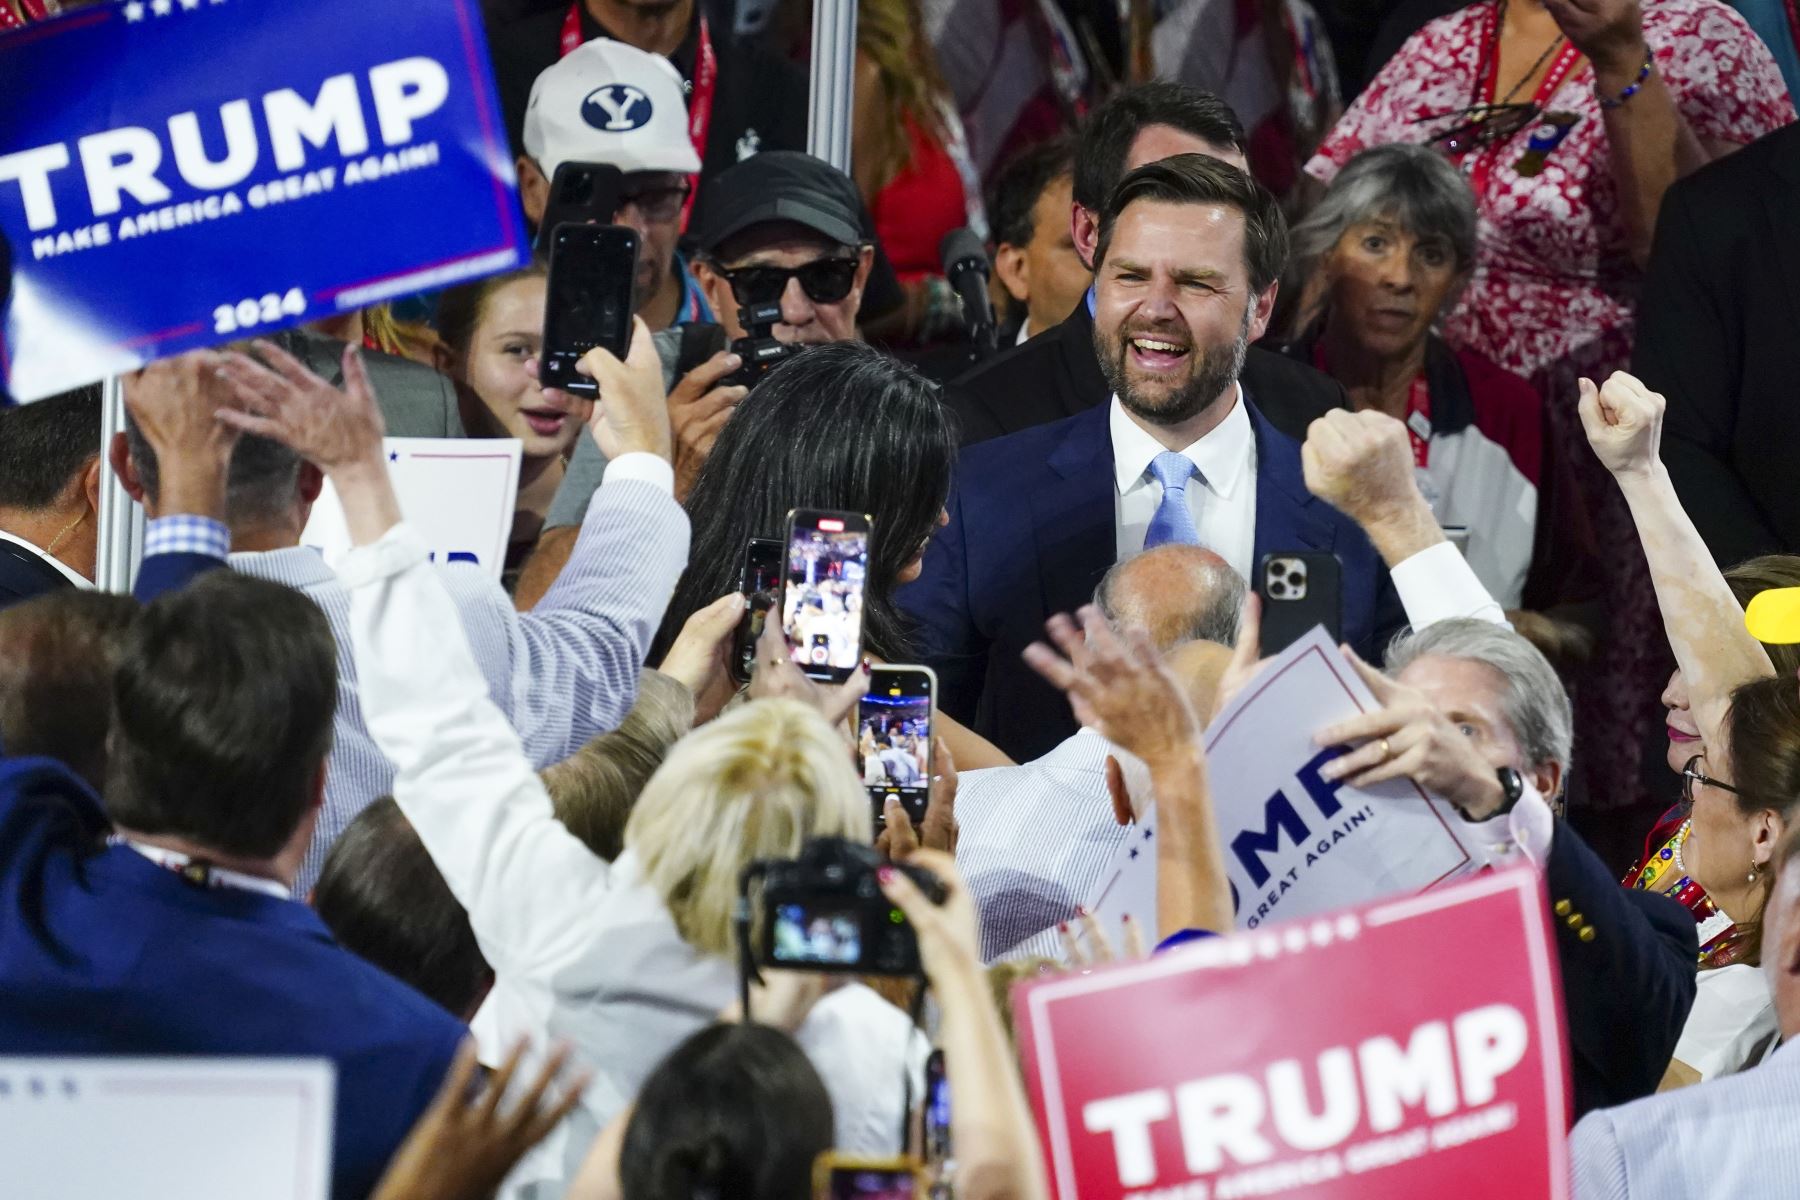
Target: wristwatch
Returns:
[[1512, 787]]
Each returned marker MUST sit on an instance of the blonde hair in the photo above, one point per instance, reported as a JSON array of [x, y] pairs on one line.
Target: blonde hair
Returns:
[[595, 789], [757, 783]]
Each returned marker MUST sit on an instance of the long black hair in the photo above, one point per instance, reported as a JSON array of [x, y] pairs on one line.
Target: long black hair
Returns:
[[839, 427], [735, 1112]]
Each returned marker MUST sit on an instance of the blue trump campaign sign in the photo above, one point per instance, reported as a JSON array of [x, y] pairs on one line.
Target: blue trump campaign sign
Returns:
[[178, 173]]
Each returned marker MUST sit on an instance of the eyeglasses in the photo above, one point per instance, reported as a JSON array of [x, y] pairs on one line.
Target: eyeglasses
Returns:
[[1689, 777], [1481, 125], [824, 280], [656, 203]]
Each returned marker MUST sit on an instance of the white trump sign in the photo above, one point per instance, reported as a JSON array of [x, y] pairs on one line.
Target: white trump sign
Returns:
[[458, 494]]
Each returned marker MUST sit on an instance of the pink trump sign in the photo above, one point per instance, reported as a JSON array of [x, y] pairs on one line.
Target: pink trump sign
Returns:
[[1411, 1048]]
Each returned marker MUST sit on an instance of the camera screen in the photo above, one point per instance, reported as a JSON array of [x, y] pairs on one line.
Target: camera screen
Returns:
[[807, 934], [893, 740], [822, 603], [850, 1184]]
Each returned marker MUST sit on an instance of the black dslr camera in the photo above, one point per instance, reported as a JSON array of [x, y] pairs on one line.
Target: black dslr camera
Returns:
[[825, 911], [758, 348]]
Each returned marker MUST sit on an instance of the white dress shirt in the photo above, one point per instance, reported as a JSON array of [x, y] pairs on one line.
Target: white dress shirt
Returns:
[[582, 950], [1222, 497], [67, 572]]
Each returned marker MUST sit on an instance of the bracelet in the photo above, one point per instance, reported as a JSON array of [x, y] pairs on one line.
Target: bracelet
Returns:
[[1628, 93]]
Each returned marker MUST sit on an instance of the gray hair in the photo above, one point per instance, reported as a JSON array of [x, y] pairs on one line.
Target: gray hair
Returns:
[[262, 483], [1535, 703], [594, 790], [1413, 186], [1205, 611]]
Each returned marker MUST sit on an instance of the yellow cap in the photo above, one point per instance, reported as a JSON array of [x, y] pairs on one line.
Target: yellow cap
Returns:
[[1774, 616]]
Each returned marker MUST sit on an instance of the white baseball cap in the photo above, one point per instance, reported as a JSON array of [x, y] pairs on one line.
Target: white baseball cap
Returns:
[[607, 102]]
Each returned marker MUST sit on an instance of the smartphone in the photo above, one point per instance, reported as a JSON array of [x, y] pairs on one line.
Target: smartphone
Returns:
[[1299, 589], [846, 1177], [822, 593], [581, 193], [588, 301], [893, 739], [936, 1139], [759, 579]]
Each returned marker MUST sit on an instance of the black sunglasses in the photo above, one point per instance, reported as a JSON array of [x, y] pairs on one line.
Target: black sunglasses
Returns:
[[1480, 125], [825, 281]]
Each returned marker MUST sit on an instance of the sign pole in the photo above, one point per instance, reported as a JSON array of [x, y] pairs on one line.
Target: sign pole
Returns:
[[831, 99], [121, 517]]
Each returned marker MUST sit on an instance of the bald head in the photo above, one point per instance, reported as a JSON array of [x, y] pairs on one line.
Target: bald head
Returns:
[[1175, 594]]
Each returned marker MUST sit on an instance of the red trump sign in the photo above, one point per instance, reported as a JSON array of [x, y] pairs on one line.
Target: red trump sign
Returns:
[[1409, 1048]]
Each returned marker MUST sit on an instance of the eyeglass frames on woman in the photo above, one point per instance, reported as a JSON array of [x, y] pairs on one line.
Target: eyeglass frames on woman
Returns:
[[1480, 125], [1690, 777], [825, 281]]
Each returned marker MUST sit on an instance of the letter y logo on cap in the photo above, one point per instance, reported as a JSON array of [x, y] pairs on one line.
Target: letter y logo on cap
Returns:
[[616, 108]]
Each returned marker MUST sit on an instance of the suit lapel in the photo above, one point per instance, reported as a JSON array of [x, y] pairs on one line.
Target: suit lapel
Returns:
[[1072, 514], [1085, 385], [1288, 517]]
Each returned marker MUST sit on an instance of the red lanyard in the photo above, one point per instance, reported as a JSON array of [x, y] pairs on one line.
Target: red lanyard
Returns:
[[700, 94], [1487, 158], [1418, 409]]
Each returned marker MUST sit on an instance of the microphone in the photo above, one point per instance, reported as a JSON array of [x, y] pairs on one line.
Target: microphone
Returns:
[[966, 267]]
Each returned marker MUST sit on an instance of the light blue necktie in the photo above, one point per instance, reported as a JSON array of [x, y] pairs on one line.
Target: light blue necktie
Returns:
[[1174, 521]]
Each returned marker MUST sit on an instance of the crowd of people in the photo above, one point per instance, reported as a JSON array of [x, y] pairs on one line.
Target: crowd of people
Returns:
[[1493, 305]]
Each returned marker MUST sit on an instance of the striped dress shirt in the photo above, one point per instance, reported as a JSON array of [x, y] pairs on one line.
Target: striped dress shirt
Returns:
[[1732, 1139], [1035, 840], [561, 673]]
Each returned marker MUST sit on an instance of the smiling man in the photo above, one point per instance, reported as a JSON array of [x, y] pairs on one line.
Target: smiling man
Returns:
[[1187, 254]]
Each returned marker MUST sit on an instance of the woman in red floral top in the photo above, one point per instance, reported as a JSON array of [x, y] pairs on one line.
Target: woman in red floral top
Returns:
[[1570, 119]]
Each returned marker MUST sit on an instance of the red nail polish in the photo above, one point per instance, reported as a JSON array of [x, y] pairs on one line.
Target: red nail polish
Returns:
[[885, 874], [866, 667], [1125, 919], [1081, 910], [1062, 927]]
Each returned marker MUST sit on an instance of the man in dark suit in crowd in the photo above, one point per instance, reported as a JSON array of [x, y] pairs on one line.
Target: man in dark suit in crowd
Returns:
[[1717, 335], [1056, 374], [176, 936], [49, 494], [1188, 250]]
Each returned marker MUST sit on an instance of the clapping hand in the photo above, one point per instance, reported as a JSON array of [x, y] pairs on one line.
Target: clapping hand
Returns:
[[1623, 421], [1118, 687], [470, 1137]]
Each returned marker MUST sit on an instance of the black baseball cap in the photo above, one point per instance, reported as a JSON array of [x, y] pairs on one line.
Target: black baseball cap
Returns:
[[781, 185]]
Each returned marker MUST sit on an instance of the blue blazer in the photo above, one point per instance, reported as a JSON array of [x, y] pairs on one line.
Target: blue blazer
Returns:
[[1031, 533], [107, 953]]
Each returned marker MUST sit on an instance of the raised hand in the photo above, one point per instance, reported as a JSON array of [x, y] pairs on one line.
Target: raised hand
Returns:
[[1410, 736], [174, 404], [939, 829], [332, 428], [470, 1138], [1609, 32], [779, 676], [1361, 463], [1623, 421], [698, 410], [699, 656], [1117, 687], [632, 413]]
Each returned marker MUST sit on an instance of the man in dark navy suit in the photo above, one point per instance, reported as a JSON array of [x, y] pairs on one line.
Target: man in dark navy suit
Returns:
[[49, 494], [171, 932], [1189, 249]]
